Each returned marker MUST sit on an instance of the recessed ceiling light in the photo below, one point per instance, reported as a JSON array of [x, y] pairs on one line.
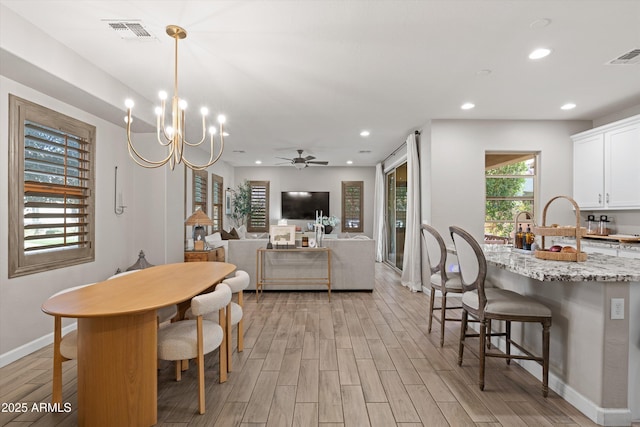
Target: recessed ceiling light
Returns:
[[349, 162], [258, 162], [539, 53], [365, 133], [568, 106], [225, 134], [484, 72], [467, 106]]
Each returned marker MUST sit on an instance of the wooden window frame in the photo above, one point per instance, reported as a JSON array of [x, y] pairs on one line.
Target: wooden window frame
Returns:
[[533, 199], [260, 228], [202, 176], [23, 113], [217, 212], [346, 186]]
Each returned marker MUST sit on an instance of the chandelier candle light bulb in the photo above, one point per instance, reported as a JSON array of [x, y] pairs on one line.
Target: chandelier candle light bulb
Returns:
[[173, 136]]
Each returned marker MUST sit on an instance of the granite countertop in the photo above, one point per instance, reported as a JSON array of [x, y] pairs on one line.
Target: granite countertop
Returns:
[[597, 267]]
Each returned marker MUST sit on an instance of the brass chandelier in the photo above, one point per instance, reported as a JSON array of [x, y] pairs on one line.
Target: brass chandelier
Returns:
[[173, 136]]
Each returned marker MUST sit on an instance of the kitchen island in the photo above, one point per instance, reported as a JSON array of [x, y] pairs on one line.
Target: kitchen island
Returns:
[[595, 335]]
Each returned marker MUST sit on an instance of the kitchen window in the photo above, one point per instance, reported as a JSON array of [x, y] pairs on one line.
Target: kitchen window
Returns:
[[52, 191], [510, 180]]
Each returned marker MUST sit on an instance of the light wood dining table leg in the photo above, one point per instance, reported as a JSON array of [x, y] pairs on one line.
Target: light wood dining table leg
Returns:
[[117, 370]]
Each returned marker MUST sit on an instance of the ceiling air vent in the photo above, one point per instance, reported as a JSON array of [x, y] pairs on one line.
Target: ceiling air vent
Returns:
[[130, 30], [630, 58]]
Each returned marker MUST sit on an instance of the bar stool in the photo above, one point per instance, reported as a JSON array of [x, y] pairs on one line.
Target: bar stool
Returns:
[[486, 304], [439, 279]]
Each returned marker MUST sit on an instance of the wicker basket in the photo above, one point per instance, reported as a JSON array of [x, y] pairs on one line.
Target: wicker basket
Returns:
[[576, 232]]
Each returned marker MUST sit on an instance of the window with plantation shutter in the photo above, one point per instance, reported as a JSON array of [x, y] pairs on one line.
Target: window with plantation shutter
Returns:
[[259, 217], [217, 197], [352, 202], [199, 190], [51, 196]]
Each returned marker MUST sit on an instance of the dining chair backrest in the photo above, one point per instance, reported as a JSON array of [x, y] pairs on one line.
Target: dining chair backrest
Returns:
[[212, 301], [473, 264], [123, 273], [64, 291], [239, 282]]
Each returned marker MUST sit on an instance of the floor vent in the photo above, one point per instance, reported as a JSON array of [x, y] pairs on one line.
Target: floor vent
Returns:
[[629, 58], [130, 30]]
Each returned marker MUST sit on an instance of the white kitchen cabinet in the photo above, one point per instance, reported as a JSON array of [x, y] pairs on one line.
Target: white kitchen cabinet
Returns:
[[622, 167], [606, 166], [588, 171]]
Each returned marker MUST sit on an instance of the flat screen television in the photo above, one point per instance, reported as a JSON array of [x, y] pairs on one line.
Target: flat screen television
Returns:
[[304, 204]]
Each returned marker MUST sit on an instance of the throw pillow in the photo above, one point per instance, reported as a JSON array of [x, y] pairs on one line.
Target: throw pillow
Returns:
[[232, 235]]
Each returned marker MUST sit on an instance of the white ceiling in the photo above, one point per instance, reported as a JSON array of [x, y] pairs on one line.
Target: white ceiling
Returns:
[[312, 74]]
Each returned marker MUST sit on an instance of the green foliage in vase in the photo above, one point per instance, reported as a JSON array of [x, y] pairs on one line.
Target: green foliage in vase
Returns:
[[241, 203]]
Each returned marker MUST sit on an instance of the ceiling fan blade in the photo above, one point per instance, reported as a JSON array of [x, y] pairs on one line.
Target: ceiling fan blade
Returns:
[[284, 158], [309, 158], [318, 163]]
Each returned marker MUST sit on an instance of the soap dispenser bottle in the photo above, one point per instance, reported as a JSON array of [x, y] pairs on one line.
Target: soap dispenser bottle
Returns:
[[518, 240]]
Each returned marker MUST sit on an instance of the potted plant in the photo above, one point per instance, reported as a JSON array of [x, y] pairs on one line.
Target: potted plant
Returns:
[[241, 203], [329, 222]]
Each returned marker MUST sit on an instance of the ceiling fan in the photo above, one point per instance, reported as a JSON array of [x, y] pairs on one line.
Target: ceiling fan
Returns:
[[303, 162]]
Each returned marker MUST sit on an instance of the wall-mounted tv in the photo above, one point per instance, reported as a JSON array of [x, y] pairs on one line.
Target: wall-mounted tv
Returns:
[[304, 204]]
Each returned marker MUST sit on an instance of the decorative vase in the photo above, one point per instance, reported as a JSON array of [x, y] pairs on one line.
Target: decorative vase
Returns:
[[328, 229]]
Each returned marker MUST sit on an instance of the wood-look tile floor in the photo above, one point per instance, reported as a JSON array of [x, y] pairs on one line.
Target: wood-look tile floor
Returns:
[[363, 359]]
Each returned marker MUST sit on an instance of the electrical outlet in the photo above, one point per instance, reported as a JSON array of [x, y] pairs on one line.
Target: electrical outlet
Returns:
[[617, 308]]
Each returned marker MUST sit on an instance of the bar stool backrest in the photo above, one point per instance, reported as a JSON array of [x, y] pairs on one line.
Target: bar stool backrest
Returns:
[[473, 264]]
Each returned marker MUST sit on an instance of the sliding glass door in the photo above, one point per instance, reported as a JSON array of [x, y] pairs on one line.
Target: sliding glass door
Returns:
[[396, 195]]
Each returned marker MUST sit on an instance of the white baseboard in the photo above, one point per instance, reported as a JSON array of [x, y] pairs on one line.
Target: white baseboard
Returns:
[[28, 348], [597, 414]]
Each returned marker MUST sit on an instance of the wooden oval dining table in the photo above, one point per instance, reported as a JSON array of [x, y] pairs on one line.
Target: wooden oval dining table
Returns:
[[117, 338]]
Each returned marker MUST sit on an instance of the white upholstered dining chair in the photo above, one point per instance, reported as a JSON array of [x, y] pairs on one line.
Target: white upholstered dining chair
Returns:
[[189, 339], [486, 304], [64, 348], [234, 313], [235, 316]]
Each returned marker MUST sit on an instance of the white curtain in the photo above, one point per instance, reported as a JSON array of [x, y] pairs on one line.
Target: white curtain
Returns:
[[411, 265], [378, 214]]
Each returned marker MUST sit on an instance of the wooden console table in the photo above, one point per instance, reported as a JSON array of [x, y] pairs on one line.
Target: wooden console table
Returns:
[[117, 338], [206, 255], [262, 279]]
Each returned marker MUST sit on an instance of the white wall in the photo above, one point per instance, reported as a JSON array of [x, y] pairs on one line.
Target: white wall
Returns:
[[320, 178], [455, 160], [153, 221], [21, 298]]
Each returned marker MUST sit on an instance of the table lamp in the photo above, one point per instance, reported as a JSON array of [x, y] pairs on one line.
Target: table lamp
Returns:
[[198, 219]]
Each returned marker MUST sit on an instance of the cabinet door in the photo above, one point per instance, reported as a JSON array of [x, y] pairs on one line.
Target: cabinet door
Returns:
[[588, 171], [622, 167]]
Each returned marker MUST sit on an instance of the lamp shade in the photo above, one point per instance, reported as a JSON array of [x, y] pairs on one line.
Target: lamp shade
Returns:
[[198, 218]]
